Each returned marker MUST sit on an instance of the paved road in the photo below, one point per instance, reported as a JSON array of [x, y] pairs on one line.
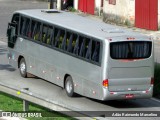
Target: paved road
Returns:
[[7, 7]]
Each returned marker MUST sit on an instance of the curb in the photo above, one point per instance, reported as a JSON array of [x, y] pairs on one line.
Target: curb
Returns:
[[2, 43]]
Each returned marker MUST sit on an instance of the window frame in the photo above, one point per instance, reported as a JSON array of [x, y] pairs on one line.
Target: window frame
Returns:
[[65, 30], [112, 2], [146, 57], [48, 26]]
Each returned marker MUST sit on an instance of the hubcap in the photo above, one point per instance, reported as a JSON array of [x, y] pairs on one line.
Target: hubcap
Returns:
[[69, 86], [23, 68]]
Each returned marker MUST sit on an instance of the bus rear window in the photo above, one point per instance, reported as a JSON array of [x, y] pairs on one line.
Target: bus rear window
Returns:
[[130, 50]]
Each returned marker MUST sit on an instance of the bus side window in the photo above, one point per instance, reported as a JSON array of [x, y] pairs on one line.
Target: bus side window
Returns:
[[95, 51], [63, 46], [82, 48], [69, 42], [49, 35], [52, 36], [44, 33], [36, 31], [28, 28], [33, 29], [75, 37], [22, 26], [88, 49], [61, 38], [76, 47], [34, 34], [57, 36]]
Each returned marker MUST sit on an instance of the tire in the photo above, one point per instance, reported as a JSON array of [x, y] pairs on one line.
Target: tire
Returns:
[[23, 68], [69, 87]]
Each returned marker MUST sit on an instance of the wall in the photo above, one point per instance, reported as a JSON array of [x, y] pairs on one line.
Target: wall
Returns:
[[98, 8], [122, 13], [76, 4], [159, 14], [59, 4]]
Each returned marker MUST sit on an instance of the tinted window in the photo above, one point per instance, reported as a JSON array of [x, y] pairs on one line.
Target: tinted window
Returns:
[[87, 48], [25, 27], [59, 36], [70, 41], [77, 45], [67, 41], [36, 27], [95, 53], [46, 34], [130, 50]]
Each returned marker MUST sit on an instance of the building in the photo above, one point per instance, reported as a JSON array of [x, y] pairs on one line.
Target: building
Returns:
[[93, 7], [143, 14], [139, 13]]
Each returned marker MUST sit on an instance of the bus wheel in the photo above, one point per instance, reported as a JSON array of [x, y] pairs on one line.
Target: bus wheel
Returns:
[[69, 87], [23, 68]]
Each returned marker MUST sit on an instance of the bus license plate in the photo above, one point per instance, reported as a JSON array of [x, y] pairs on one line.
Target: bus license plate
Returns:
[[129, 96]]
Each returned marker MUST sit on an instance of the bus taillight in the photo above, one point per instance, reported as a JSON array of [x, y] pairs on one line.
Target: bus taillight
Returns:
[[105, 83], [152, 81]]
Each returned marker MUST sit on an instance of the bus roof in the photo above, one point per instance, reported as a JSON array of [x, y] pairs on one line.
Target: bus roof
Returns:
[[84, 25]]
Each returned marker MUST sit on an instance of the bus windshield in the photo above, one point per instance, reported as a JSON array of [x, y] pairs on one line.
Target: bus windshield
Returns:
[[130, 50]]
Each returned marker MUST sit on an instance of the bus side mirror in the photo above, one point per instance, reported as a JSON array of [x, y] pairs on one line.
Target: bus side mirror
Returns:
[[8, 31], [11, 31], [11, 34]]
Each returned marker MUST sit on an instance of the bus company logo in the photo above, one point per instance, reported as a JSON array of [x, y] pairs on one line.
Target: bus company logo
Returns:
[[6, 114]]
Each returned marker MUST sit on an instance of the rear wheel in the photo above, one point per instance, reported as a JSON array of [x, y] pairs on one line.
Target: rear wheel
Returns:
[[69, 87], [23, 68]]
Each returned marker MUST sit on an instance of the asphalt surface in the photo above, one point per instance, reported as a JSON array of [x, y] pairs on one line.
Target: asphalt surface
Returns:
[[49, 91], [7, 7]]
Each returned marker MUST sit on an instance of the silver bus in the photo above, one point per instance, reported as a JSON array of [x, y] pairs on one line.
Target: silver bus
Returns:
[[81, 55]]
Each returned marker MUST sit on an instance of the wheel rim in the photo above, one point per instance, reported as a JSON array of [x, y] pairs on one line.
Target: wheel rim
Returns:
[[69, 87], [23, 68]]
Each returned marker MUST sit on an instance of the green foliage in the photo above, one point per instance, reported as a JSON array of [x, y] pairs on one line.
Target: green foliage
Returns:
[[8, 104], [11, 103], [156, 90], [71, 9], [159, 27], [127, 22]]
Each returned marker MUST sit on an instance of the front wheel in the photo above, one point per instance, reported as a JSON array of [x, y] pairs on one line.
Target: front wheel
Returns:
[[23, 68], [69, 87]]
